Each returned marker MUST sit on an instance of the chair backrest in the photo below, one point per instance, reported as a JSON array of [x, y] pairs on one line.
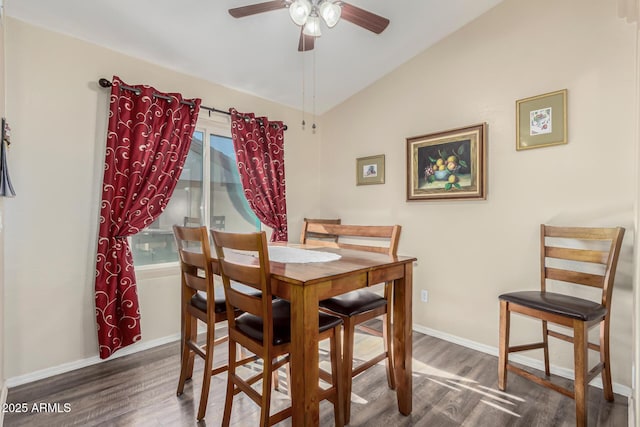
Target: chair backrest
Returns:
[[584, 248], [244, 258], [191, 221], [385, 237], [194, 251], [217, 222], [309, 237]]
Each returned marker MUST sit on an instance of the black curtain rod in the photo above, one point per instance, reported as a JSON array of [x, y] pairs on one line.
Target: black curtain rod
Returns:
[[106, 83]]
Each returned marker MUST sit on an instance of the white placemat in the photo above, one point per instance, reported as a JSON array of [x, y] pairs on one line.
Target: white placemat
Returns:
[[296, 255]]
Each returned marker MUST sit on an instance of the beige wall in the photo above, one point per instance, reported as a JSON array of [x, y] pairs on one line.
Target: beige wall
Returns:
[[632, 13], [2, 321], [468, 252], [471, 251], [58, 116]]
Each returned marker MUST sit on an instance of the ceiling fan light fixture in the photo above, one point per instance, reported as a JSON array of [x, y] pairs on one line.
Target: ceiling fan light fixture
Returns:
[[299, 11], [330, 12], [312, 26]]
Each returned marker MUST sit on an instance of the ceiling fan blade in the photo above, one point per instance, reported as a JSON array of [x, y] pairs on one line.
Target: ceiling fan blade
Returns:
[[252, 9], [363, 18], [306, 42]]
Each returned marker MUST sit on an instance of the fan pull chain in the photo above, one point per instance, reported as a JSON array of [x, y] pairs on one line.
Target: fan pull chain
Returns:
[[314, 127], [303, 82]]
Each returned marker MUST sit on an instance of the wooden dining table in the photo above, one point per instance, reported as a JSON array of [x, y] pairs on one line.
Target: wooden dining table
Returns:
[[305, 284]]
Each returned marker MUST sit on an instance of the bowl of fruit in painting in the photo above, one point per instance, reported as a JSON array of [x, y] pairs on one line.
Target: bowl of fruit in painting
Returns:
[[441, 175], [444, 167]]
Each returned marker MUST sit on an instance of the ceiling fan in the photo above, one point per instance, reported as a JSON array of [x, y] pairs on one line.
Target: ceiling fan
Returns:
[[309, 13]]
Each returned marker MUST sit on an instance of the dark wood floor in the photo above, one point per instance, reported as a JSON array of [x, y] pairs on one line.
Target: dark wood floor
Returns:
[[453, 386]]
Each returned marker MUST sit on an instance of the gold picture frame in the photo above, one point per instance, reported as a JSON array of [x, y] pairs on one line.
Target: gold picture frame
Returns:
[[370, 170], [448, 165], [541, 121]]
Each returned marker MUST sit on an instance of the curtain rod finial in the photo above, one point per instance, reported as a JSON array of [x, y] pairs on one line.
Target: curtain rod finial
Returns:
[[104, 83]]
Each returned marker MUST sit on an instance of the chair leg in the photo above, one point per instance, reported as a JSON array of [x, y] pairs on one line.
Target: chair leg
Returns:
[[193, 337], [606, 359], [208, 367], [228, 400], [336, 377], [580, 354], [503, 354], [265, 405], [386, 337], [347, 364], [287, 371], [545, 340], [187, 356]]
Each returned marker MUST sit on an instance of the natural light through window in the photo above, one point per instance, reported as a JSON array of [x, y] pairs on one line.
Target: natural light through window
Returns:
[[208, 193], [449, 382]]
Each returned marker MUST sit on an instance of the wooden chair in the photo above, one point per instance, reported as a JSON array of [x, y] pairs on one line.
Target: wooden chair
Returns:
[[357, 307], [307, 237], [265, 328], [199, 302], [568, 254]]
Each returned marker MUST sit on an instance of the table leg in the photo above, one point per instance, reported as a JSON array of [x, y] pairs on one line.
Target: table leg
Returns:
[[304, 356], [402, 339]]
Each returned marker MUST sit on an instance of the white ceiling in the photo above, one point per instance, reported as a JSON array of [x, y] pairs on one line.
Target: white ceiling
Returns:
[[256, 54]]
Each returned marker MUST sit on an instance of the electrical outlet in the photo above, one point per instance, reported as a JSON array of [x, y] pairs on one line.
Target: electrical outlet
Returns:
[[424, 295]]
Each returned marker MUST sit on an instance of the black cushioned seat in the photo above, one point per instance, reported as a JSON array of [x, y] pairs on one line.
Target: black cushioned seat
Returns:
[[251, 325], [199, 301], [563, 305], [353, 303]]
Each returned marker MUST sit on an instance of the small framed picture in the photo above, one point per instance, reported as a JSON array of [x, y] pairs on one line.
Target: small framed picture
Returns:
[[541, 120], [370, 170]]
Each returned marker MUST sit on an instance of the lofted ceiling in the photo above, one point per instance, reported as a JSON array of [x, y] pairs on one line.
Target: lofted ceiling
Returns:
[[256, 54]]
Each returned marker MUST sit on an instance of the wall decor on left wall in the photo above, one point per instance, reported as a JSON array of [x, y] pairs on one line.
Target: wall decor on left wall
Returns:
[[6, 188]]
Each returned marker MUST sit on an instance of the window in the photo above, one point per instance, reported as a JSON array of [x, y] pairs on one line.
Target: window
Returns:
[[208, 193]]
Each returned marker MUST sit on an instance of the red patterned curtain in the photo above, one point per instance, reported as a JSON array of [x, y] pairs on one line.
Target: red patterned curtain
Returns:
[[147, 144], [259, 146]]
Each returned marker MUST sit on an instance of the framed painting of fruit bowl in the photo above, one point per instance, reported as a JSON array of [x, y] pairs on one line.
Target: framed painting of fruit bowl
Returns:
[[541, 120], [448, 165]]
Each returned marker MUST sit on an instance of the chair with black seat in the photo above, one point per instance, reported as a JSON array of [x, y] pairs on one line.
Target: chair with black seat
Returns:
[[265, 327], [582, 256], [197, 285], [360, 306]]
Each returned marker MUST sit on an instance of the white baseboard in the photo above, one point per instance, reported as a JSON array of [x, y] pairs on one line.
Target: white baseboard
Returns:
[[3, 400], [82, 363], [524, 360]]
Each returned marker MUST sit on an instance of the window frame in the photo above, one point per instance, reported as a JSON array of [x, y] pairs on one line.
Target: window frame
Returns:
[[209, 123]]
